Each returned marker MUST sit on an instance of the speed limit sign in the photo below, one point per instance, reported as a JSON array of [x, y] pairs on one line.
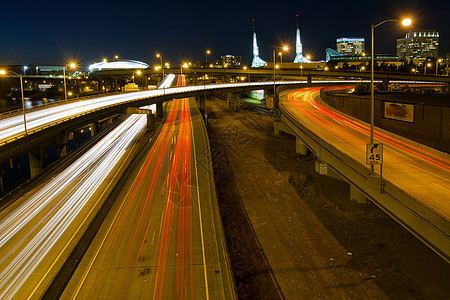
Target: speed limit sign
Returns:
[[374, 154]]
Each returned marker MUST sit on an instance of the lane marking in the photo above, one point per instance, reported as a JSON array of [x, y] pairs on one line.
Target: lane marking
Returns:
[[199, 207]]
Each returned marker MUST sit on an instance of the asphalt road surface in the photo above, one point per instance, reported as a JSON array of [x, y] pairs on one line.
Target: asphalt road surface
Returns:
[[162, 238]]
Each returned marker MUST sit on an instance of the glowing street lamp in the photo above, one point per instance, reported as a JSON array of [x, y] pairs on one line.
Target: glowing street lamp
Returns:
[[405, 22], [160, 58], [3, 72], [284, 48], [206, 56], [437, 65], [138, 72], [425, 68], [161, 61], [73, 66], [185, 65]]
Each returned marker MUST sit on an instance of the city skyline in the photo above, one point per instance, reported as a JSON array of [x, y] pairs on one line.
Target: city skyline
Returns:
[[90, 32]]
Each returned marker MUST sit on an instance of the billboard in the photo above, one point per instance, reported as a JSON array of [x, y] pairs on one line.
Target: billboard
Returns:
[[399, 111]]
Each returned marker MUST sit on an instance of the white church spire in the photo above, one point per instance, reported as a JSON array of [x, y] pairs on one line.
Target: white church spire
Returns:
[[257, 61], [299, 58]]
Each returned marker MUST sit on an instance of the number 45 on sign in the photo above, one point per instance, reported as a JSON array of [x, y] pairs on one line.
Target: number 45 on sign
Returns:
[[374, 154]]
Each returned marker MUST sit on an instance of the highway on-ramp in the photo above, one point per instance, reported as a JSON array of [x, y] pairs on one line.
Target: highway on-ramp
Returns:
[[418, 170]]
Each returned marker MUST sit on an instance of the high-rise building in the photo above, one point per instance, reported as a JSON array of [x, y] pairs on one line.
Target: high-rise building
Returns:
[[231, 61], [418, 44], [350, 46]]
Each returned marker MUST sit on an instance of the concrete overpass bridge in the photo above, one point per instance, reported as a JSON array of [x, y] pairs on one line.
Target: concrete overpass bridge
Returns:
[[54, 122], [267, 74]]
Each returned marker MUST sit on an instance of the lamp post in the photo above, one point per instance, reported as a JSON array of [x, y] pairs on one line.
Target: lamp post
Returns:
[[405, 22], [161, 61], [284, 48], [3, 72], [206, 57], [248, 72], [72, 65], [437, 65], [137, 73], [185, 65]]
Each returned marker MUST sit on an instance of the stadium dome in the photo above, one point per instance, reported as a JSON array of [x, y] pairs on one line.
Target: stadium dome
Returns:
[[118, 64]]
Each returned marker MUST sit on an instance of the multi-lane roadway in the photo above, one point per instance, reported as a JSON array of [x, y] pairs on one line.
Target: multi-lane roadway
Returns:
[[420, 171], [39, 230], [163, 237]]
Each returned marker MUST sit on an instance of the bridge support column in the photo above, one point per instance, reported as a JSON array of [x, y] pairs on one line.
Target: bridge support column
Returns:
[[150, 122], [93, 127], [61, 145], [229, 100], [309, 79], [116, 86], [356, 195], [300, 146], [201, 103], [159, 110], [237, 98], [37, 157]]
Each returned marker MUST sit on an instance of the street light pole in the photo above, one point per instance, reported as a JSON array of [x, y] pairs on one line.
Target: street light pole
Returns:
[[284, 48], [72, 65], [437, 65], [3, 72], [65, 89], [405, 22], [23, 107], [274, 73], [206, 57]]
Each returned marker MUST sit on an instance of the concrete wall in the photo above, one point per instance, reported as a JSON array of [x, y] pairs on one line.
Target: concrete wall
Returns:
[[431, 125]]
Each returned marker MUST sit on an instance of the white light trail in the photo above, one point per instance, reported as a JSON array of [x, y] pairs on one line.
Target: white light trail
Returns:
[[39, 223]]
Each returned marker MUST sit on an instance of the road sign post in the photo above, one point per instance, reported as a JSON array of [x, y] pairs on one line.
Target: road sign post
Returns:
[[374, 156]]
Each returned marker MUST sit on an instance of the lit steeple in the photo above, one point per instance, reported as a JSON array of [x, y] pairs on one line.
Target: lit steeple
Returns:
[[299, 58], [257, 61]]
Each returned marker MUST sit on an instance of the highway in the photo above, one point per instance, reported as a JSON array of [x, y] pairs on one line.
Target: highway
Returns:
[[163, 236], [420, 171], [38, 232]]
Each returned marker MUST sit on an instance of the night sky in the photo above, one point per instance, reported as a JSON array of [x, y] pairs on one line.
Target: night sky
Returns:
[[53, 32]]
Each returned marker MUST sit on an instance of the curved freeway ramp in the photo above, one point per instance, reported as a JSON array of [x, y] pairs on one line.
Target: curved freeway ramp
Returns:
[[163, 237], [416, 178]]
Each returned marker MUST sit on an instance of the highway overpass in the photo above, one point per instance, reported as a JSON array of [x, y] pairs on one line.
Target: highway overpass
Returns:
[[267, 73], [415, 181]]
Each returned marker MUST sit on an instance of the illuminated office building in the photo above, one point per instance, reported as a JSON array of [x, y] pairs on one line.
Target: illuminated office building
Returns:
[[350, 46], [231, 61], [418, 44]]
